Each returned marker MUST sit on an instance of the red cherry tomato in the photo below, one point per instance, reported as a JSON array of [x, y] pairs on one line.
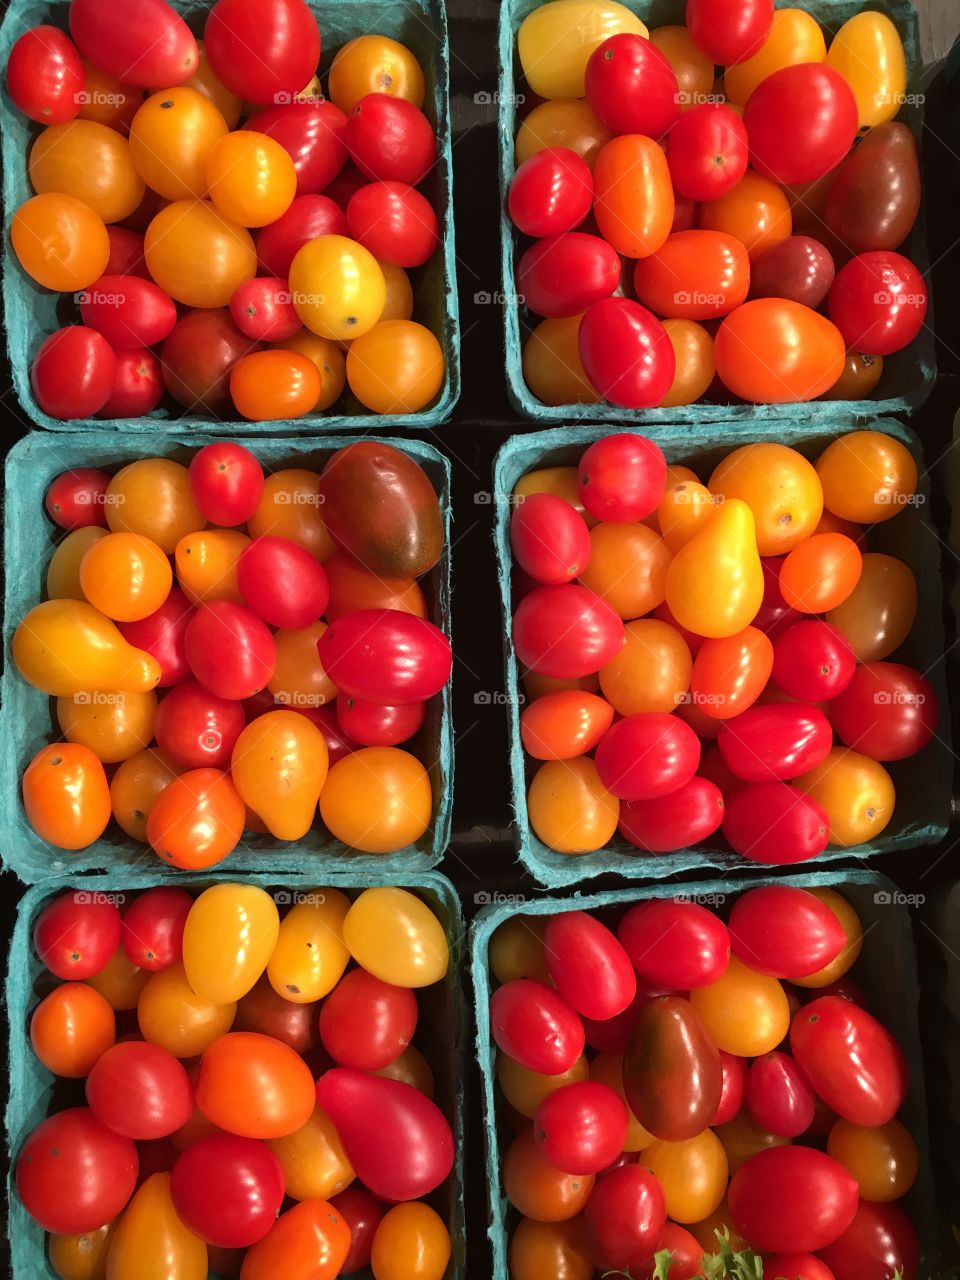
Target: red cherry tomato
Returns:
[[589, 967], [631, 86], [801, 121], [707, 151], [779, 1096], [226, 483], [880, 1242], [564, 274], [76, 934], [566, 632], [878, 302], [260, 53], [395, 222], [195, 729], [697, 953], [152, 48], [140, 1090], [645, 756], [581, 1127], [812, 661], [390, 139], [370, 724], [784, 932], [799, 268], [774, 613], [230, 651], [729, 31], [624, 1218], [534, 1025], [686, 1253], [45, 76], [153, 924], [262, 309], [137, 385], [626, 353], [887, 711], [730, 673], [792, 1198], [386, 656], [128, 311], [362, 1213], [733, 1089], [680, 820], [313, 135], [366, 1023], [621, 478], [198, 356], [308, 217], [282, 582], [776, 742], [162, 634], [228, 1190], [549, 539], [77, 498], [775, 823], [550, 193], [73, 373], [126, 254], [798, 1266]]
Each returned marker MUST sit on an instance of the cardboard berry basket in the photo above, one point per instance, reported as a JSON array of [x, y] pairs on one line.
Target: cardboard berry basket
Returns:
[[28, 717], [923, 782], [886, 970], [908, 375], [35, 1093], [31, 312]]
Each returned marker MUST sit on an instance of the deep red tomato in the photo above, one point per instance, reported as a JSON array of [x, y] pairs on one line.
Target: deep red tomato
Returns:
[[76, 934], [386, 655], [775, 823], [76, 498], [581, 1127], [395, 222], [366, 1023], [812, 661], [792, 1198], [784, 932], [262, 309], [73, 373], [672, 1077], [228, 1190], [369, 724], [621, 478], [73, 1174], [163, 635], [198, 356], [45, 76], [362, 1213], [226, 483], [707, 151], [390, 139], [675, 946], [126, 253], [779, 1096], [774, 614], [566, 631], [230, 651], [679, 820], [887, 711], [645, 756], [589, 966], [308, 217], [878, 302], [851, 1059], [776, 742], [631, 86], [137, 385], [801, 122], [312, 133], [263, 1010], [549, 539], [880, 1242], [195, 729], [799, 268], [685, 1252], [153, 924], [625, 1217], [734, 1088], [152, 48], [536, 1026], [612, 1035], [140, 1090], [261, 52], [128, 311], [550, 193], [797, 1266], [626, 353], [282, 582], [729, 31], [563, 274]]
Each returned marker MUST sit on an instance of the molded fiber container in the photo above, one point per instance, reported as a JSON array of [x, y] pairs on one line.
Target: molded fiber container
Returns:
[[923, 782], [31, 312], [441, 1035], [28, 717], [908, 376], [886, 969]]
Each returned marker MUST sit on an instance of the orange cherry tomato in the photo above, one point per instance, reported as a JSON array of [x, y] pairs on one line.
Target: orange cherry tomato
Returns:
[[115, 726], [696, 368], [90, 161], [396, 367], [780, 487], [537, 686], [773, 351], [171, 138], [352, 587], [313, 1159], [685, 507], [206, 82], [197, 254], [695, 275], [715, 579], [883, 1159], [152, 497], [82, 1257], [60, 242], [120, 981], [411, 1243], [279, 766], [255, 1086], [63, 571], [856, 793], [562, 725], [291, 507], [196, 820], [399, 303], [867, 476], [374, 64], [627, 568], [66, 796], [861, 373], [410, 1068], [538, 1189], [71, 1028], [151, 1242], [377, 800], [267, 386], [560, 481], [879, 613], [126, 576], [652, 670], [742, 1138], [852, 928], [107, 100], [207, 564], [298, 676], [730, 674], [556, 1249], [794, 37], [134, 788], [743, 1012], [250, 177], [634, 203], [524, 1089], [570, 809], [552, 368], [562, 122], [692, 1173], [327, 356], [821, 572], [172, 1015], [607, 1068], [756, 212], [691, 66], [516, 950], [308, 1242]]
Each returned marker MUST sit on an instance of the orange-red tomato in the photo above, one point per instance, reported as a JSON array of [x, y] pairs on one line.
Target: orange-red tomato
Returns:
[[634, 203], [562, 725], [134, 788], [196, 820], [756, 212], [536, 686], [570, 809], [66, 796], [730, 674], [867, 476], [556, 1249], [860, 375], [172, 1015], [291, 507], [821, 572], [374, 64], [562, 122], [627, 568], [255, 1086], [71, 1028], [327, 356], [695, 275], [352, 587], [308, 1242], [537, 1188], [267, 386], [780, 487], [773, 350], [207, 564]]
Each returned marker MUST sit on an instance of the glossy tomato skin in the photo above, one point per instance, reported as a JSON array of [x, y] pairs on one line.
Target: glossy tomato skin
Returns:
[[784, 932], [76, 498], [262, 310], [621, 478], [776, 742], [550, 193], [229, 649], [308, 1242], [625, 1217], [152, 48], [76, 934], [812, 661], [282, 582], [696, 955], [195, 729], [226, 483], [563, 274], [196, 820], [73, 373], [137, 386], [128, 311], [309, 216], [362, 1213], [162, 634], [390, 139], [140, 1091], [312, 134], [799, 268], [728, 31], [198, 356], [646, 756], [371, 724], [880, 1241], [707, 151], [874, 199], [549, 539], [561, 725], [260, 53], [45, 76], [878, 302], [671, 1070], [775, 823], [679, 820], [581, 1127], [694, 275], [227, 1189], [626, 353], [152, 929], [386, 656], [566, 631], [366, 1023], [798, 1266], [632, 87], [887, 711], [774, 350], [733, 1089], [589, 967], [792, 1198], [395, 222], [779, 1096], [534, 1024], [801, 121]]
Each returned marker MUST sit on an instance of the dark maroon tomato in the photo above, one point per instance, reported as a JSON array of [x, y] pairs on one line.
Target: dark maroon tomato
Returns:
[[390, 139], [126, 253], [626, 353], [784, 932], [812, 661], [197, 359], [647, 756], [77, 498], [313, 135], [851, 1059], [733, 1089], [672, 1076], [394, 222], [774, 614], [45, 76], [566, 631], [707, 152], [801, 122], [265, 1011], [675, 945], [153, 924], [679, 820], [581, 1127], [551, 192], [792, 1198], [874, 197], [262, 309], [631, 86], [549, 539], [227, 1189], [878, 302], [533, 1024], [621, 478], [137, 386], [366, 1023], [774, 823], [775, 742], [162, 634], [370, 724], [76, 934], [308, 217], [226, 483], [73, 373], [140, 1090], [386, 656], [612, 1035], [229, 650], [197, 730], [282, 582], [779, 1096], [362, 1213], [887, 711], [799, 268], [589, 966], [624, 1218], [880, 1242], [729, 31], [128, 311], [262, 53], [844, 987], [564, 274], [152, 48]]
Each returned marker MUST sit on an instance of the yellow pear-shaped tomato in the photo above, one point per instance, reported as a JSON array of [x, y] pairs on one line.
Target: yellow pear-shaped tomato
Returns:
[[207, 564], [63, 572], [151, 1242], [394, 935], [868, 53], [310, 956], [66, 647], [230, 934], [337, 287], [313, 1159], [715, 581], [556, 40], [279, 766]]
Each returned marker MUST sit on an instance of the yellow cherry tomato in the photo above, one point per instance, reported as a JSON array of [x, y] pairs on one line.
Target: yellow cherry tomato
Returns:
[[743, 1012], [229, 936], [565, 122], [850, 922], [310, 956], [570, 809], [251, 178], [195, 253], [374, 64], [134, 788], [82, 1257], [120, 981], [63, 572], [742, 1138], [693, 350], [171, 137], [560, 481], [107, 100], [627, 568], [683, 510], [115, 726], [291, 507], [411, 1243], [867, 476], [516, 949], [552, 368], [883, 1158], [756, 212], [395, 368], [715, 580], [330, 362], [607, 1068], [856, 792], [651, 672], [314, 1162], [67, 647], [692, 67], [692, 1173], [868, 53], [298, 677], [399, 303], [337, 287], [151, 1242], [152, 497], [126, 576], [879, 613], [172, 1015], [780, 487], [524, 1089], [91, 162], [377, 800], [794, 37], [279, 765], [205, 81], [60, 242], [207, 562], [556, 40], [395, 935]]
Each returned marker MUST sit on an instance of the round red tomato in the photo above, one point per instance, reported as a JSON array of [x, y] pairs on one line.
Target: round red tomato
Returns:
[[774, 613], [228, 1190], [878, 302], [198, 356], [126, 253], [784, 932], [775, 742], [226, 483], [282, 582], [370, 724], [812, 661], [362, 1213], [631, 86], [733, 1089], [801, 122], [262, 309], [390, 139], [798, 1266], [260, 53], [645, 756], [73, 373], [880, 1242], [707, 151], [153, 924], [395, 222], [589, 967], [140, 1090], [195, 729], [45, 76], [775, 823], [799, 268], [686, 1253], [151, 48], [386, 655], [137, 386], [621, 478], [779, 1096], [626, 353], [230, 651], [533, 1024], [366, 1023], [76, 498], [729, 31], [550, 193], [76, 934], [566, 632], [563, 274], [162, 634], [581, 1127], [886, 711], [679, 820], [308, 217], [792, 1198], [312, 134], [128, 311], [549, 539], [675, 946], [625, 1217]]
